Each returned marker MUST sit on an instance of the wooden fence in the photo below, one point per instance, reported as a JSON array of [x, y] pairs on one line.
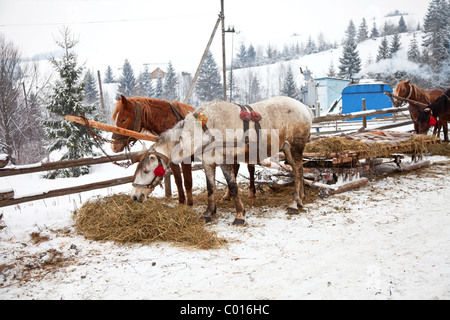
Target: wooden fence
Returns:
[[7, 196]]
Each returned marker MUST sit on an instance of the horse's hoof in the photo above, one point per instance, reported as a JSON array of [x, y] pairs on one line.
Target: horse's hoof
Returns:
[[207, 219], [292, 210], [238, 222], [251, 198]]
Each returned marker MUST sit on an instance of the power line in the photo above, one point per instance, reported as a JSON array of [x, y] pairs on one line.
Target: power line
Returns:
[[101, 21]]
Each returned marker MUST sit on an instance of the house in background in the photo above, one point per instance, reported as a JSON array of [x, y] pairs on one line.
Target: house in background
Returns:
[[154, 74]]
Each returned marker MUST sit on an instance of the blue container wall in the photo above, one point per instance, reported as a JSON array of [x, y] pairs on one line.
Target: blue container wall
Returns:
[[352, 97]]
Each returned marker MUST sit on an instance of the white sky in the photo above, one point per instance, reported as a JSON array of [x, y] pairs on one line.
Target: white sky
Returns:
[[154, 31]]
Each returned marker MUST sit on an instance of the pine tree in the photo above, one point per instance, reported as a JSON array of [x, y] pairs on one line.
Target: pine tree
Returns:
[[209, 86], [310, 46], [144, 84], [350, 63], [363, 32], [170, 87], [402, 25], [127, 81], [413, 50], [383, 50], [350, 33], [271, 53], [289, 88], [242, 56], [395, 45], [251, 56], [331, 71], [374, 32], [436, 27], [109, 76], [67, 98], [90, 90], [159, 86]]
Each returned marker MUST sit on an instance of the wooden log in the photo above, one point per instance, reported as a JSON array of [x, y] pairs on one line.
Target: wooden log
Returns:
[[10, 171], [406, 99], [415, 166], [333, 189], [106, 127], [66, 191]]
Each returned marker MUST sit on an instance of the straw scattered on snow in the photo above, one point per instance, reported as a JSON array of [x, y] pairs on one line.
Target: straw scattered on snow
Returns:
[[117, 218]]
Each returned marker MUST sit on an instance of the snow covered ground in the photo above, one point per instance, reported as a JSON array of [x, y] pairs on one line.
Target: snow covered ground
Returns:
[[387, 240]]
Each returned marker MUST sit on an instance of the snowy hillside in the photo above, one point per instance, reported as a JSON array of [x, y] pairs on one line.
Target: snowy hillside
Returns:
[[271, 76]]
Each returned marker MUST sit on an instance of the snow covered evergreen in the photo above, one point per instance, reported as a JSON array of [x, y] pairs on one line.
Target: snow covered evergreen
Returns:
[[209, 85], [70, 139]]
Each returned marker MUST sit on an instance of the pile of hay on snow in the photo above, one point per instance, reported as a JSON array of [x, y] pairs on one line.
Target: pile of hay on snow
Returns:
[[118, 218]]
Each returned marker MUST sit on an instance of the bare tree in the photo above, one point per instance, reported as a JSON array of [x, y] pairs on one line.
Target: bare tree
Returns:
[[20, 132]]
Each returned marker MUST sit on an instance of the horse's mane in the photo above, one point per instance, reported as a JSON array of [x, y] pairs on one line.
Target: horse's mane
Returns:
[[157, 109], [421, 94]]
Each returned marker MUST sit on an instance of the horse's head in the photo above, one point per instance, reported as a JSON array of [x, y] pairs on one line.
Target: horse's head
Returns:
[[424, 121], [123, 116], [149, 174], [402, 89]]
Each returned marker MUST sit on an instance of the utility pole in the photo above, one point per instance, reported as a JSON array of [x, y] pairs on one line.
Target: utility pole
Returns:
[[224, 62]]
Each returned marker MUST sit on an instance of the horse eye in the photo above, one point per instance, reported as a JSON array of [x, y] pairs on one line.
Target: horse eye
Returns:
[[123, 120], [146, 171]]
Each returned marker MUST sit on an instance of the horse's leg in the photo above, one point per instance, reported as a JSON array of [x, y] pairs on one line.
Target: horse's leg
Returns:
[[178, 181], [436, 127], [296, 162], [252, 190], [234, 190], [187, 176], [445, 129], [210, 172], [227, 196]]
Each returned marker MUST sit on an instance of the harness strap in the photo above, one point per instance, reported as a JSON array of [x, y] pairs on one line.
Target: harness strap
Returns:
[[176, 112], [255, 117]]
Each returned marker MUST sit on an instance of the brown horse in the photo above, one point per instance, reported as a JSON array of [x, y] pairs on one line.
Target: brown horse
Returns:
[[440, 110], [407, 90], [156, 116]]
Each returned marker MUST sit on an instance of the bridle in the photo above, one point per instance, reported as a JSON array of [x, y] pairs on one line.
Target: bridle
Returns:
[[156, 179], [136, 125]]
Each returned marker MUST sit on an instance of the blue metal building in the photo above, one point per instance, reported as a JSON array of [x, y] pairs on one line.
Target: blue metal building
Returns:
[[353, 95]]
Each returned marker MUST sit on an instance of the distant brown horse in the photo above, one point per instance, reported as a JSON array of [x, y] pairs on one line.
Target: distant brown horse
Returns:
[[440, 110], [407, 90], [156, 116]]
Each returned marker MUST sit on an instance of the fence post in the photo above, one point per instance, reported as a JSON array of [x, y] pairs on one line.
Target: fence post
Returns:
[[167, 186], [364, 119]]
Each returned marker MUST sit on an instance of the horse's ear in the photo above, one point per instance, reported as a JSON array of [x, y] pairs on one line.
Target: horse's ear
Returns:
[[122, 97], [408, 81]]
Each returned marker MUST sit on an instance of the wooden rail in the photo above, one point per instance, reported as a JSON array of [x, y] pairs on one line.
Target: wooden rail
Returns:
[[355, 115], [46, 166], [66, 191]]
